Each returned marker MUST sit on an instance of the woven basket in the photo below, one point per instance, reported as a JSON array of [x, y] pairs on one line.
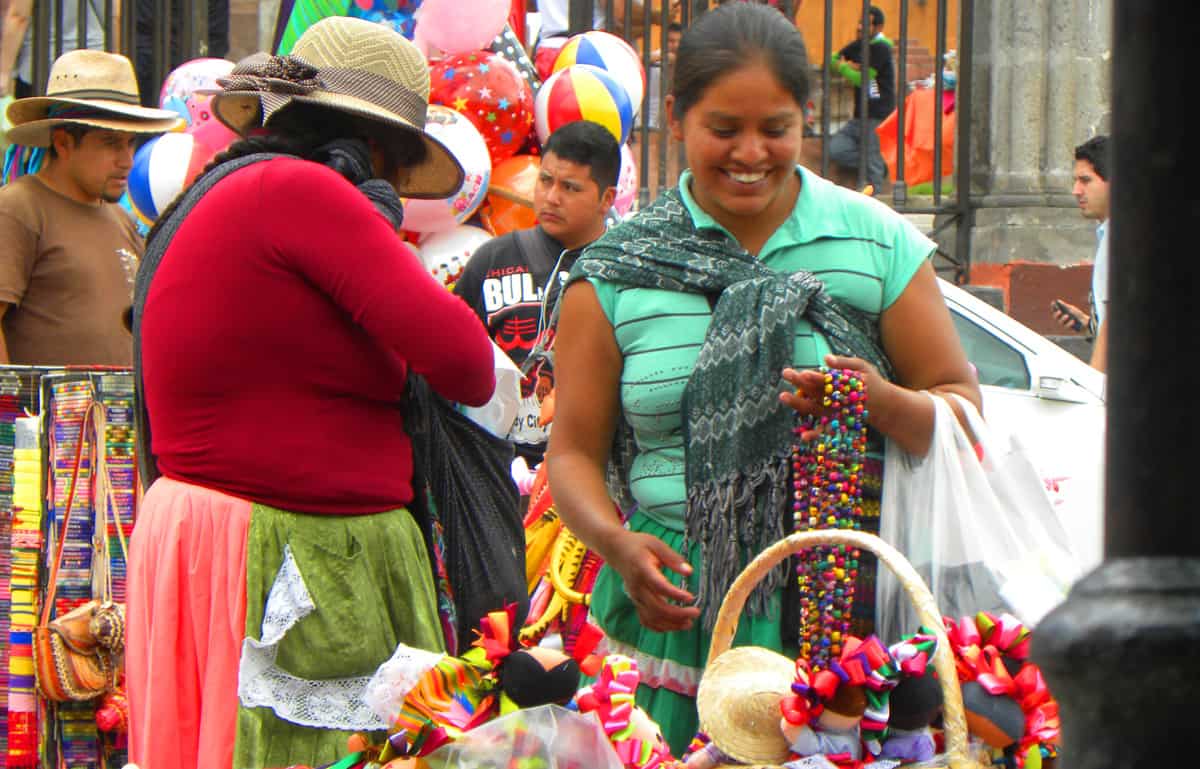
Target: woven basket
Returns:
[[953, 717]]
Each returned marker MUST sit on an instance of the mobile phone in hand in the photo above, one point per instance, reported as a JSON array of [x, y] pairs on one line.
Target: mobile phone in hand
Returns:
[[1076, 323]]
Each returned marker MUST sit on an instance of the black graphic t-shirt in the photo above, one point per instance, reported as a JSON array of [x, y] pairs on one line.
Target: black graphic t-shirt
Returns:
[[505, 282]]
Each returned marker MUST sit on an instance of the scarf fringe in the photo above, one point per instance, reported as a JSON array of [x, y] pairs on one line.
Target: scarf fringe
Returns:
[[734, 519]]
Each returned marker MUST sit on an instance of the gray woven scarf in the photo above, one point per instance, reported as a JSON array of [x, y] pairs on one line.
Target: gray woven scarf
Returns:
[[736, 433]]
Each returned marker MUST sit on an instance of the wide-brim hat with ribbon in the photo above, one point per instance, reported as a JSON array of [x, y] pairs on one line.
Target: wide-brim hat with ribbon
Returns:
[[91, 88], [738, 703], [354, 66]]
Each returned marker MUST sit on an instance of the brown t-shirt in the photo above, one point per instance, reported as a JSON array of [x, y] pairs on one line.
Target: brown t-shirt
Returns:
[[66, 270]]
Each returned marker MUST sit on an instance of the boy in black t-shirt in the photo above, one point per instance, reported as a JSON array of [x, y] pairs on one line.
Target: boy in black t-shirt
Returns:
[[512, 281]]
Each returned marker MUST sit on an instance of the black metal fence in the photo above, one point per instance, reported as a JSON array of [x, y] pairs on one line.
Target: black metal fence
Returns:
[[662, 159], [157, 35]]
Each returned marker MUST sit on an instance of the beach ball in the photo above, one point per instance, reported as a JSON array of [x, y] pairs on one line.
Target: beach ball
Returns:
[[162, 168], [582, 92], [490, 91], [445, 254], [611, 54], [398, 15], [510, 197], [627, 183], [465, 142], [185, 80]]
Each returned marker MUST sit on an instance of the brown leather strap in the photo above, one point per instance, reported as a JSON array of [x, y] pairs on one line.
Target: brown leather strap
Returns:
[[62, 535]]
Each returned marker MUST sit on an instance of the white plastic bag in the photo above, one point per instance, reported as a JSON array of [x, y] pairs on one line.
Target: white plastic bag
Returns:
[[983, 533], [497, 415], [548, 736]]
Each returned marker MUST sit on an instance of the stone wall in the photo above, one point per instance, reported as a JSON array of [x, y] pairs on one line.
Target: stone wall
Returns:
[[1041, 85]]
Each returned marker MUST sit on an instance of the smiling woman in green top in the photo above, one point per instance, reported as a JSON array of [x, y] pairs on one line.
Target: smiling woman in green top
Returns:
[[681, 328]]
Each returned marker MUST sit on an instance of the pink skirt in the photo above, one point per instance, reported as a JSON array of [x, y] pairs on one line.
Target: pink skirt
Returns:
[[186, 617]]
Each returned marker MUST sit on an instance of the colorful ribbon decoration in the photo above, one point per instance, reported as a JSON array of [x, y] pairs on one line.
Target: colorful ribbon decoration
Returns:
[[496, 636], [862, 662], [611, 698], [981, 646], [913, 653]]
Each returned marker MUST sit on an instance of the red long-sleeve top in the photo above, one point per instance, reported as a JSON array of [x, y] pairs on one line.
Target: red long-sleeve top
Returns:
[[276, 339]]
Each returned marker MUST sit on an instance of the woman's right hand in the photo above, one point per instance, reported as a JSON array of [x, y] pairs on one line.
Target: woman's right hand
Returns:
[[640, 560]]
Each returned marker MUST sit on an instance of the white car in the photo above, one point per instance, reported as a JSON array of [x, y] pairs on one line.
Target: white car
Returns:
[[1051, 400]]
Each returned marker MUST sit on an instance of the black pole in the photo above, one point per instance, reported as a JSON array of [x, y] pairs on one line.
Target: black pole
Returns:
[[962, 142], [41, 46], [60, 44], [579, 15], [161, 47], [900, 189], [864, 87], [1121, 653], [939, 67], [110, 40], [81, 24], [826, 87]]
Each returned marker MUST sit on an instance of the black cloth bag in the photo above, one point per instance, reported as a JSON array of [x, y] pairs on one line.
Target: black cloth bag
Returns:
[[467, 473]]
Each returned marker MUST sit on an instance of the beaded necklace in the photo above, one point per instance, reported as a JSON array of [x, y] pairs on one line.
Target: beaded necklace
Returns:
[[827, 494]]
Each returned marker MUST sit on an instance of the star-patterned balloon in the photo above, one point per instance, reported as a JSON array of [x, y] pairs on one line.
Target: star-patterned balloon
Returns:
[[487, 89]]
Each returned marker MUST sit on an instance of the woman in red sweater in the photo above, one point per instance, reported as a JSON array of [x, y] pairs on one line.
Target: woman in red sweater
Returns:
[[275, 565]]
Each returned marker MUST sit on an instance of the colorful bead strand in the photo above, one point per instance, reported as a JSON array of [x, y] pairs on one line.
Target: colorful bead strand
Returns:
[[827, 494]]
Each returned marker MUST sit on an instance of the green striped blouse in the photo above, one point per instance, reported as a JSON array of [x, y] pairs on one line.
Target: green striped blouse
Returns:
[[864, 252]]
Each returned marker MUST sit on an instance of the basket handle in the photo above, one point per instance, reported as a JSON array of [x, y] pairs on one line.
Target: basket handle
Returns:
[[953, 717]]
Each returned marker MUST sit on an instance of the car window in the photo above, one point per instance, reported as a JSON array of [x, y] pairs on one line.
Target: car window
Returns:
[[997, 363]]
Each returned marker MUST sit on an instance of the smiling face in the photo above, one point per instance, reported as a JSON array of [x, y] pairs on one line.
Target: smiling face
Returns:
[[96, 165], [742, 138]]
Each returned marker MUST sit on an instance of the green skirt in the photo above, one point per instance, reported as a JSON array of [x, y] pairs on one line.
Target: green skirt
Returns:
[[670, 664], [364, 586]]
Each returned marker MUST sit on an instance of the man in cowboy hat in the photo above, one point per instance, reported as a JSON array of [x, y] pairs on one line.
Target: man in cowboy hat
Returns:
[[68, 252]]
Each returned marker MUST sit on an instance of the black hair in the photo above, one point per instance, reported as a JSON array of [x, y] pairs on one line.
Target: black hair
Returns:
[[876, 16], [589, 144], [1095, 151], [75, 130], [730, 36], [674, 27], [302, 130]]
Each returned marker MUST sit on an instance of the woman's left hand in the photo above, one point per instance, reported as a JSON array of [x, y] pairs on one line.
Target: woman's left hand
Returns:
[[810, 385]]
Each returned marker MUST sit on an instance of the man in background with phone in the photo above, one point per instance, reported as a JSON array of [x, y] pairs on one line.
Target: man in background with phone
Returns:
[[1091, 192]]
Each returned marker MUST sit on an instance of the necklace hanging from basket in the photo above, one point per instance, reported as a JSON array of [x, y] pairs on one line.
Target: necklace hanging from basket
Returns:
[[827, 494]]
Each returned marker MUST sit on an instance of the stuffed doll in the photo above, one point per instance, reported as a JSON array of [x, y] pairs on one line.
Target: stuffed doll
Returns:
[[637, 740], [1008, 705], [536, 676], [916, 702], [835, 732], [835, 711], [496, 676]]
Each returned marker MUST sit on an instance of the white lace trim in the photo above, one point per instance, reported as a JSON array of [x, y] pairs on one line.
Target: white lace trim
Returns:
[[656, 673], [336, 703], [397, 677]]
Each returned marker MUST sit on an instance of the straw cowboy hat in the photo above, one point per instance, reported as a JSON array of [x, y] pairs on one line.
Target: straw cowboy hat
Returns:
[[91, 88], [738, 703], [353, 66]]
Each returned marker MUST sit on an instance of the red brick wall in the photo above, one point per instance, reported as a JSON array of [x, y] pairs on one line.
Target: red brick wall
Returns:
[[1030, 287]]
